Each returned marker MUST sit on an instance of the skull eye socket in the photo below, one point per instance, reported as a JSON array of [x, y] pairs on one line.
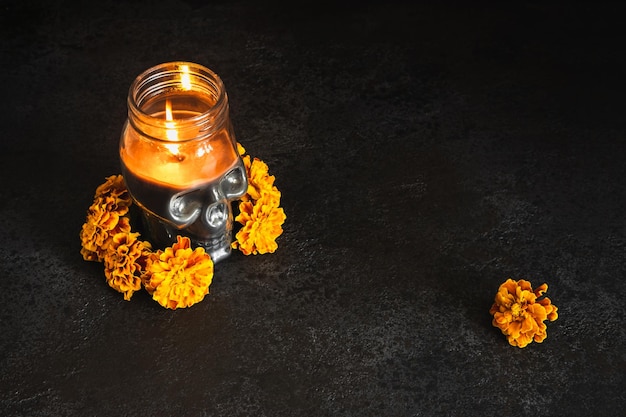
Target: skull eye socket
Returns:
[[234, 184], [216, 215], [184, 208]]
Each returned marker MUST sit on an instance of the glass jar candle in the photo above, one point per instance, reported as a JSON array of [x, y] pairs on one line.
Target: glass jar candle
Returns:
[[179, 156]]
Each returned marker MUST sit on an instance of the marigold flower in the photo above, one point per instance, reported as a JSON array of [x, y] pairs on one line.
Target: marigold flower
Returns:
[[259, 210], [178, 276], [98, 231], [259, 179], [124, 263], [262, 221], [105, 218], [114, 187], [520, 314]]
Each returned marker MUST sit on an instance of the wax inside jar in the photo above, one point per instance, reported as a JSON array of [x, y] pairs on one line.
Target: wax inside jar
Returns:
[[191, 163]]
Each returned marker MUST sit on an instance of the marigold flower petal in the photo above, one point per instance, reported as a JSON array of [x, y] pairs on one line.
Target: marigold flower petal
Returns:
[[519, 315], [540, 290], [241, 149]]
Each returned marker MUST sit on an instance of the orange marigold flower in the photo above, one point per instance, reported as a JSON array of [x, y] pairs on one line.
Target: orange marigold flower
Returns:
[[178, 276], [520, 314], [105, 218], [124, 263], [116, 188], [262, 221], [259, 179], [98, 231], [259, 210]]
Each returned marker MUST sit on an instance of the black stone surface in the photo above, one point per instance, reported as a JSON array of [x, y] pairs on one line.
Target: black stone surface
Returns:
[[425, 152]]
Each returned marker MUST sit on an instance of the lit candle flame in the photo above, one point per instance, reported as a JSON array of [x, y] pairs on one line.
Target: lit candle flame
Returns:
[[171, 132]]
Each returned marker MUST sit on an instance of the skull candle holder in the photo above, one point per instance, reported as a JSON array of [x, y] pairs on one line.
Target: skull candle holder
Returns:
[[179, 156]]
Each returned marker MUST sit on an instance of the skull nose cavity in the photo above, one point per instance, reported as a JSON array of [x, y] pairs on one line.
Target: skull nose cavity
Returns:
[[216, 215]]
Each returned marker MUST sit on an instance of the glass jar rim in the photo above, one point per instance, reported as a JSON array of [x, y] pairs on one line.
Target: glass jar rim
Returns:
[[165, 80]]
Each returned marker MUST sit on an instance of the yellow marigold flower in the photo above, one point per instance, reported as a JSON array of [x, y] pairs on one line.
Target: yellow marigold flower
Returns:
[[259, 210], [105, 218], [116, 188], [124, 263], [519, 314], [178, 276], [262, 221], [259, 179], [98, 231]]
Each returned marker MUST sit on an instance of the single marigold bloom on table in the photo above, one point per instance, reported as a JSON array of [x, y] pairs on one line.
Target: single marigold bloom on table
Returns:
[[519, 314], [178, 276], [124, 263]]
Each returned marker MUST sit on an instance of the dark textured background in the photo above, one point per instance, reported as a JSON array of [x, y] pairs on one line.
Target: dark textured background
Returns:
[[425, 153]]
